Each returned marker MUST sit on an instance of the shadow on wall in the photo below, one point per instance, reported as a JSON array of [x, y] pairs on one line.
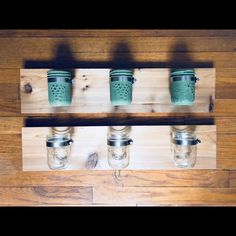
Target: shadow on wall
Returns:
[[121, 57]]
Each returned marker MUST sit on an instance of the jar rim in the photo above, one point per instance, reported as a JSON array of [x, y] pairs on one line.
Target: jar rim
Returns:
[[182, 72], [121, 72], [58, 73]]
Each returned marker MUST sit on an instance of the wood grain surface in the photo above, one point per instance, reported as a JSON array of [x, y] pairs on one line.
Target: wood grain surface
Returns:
[[91, 92], [151, 148], [110, 48]]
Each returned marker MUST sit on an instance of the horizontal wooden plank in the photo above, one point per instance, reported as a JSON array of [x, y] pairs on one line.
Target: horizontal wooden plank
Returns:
[[11, 125], [225, 107], [226, 92], [171, 196], [9, 99], [91, 92], [33, 196], [114, 44], [10, 163], [184, 178], [10, 143], [9, 76], [151, 148], [232, 178], [116, 33], [226, 77], [10, 107], [226, 163], [69, 58], [226, 124]]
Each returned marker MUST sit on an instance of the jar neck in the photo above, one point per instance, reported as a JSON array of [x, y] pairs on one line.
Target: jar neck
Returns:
[[61, 130], [119, 132]]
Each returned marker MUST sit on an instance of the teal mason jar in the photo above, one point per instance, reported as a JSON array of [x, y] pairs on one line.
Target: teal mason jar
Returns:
[[59, 88], [182, 87], [121, 83]]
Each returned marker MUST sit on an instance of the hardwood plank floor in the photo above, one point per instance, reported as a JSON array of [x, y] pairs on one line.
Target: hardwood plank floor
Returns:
[[104, 48]]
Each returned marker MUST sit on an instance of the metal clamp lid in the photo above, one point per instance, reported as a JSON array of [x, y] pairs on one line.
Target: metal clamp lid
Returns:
[[119, 142], [123, 79], [60, 79], [186, 142], [58, 142], [184, 78]]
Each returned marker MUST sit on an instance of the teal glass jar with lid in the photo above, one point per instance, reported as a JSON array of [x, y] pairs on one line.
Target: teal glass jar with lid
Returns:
[[182, 86], [59, 88], [121, 86]]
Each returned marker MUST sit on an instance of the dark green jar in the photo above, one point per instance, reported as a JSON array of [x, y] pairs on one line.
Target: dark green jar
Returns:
[[182, 87], [121, 82], [59, 88]]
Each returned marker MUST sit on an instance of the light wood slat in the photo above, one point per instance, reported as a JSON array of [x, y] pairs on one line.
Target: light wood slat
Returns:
[[164, 196], [91, 92], [151, 148], [184, 178], [116, 33], [33, 196]]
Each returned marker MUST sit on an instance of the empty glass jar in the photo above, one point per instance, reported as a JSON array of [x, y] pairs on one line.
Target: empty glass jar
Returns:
[[184, 148], [58, 150], [182, 86], [118, 142], [59, 88], [121, 82]]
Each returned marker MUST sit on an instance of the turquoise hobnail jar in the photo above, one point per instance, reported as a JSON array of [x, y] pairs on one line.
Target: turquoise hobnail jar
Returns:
[[59, 88], [182, 87], [121, 82]]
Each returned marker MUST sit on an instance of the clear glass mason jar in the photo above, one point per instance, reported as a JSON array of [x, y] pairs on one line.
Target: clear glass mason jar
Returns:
[[118, 142], [182, 87], [184, 148], [121, 87], [58, 150]]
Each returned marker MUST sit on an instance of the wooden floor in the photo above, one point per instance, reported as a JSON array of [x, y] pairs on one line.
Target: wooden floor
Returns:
[[97, 48]]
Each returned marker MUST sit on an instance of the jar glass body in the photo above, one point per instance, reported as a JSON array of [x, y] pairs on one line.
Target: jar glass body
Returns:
[[184, 148], [118, 147], [185, 156], [182, 87], [59, 88], [121, 87], [58, 151]]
